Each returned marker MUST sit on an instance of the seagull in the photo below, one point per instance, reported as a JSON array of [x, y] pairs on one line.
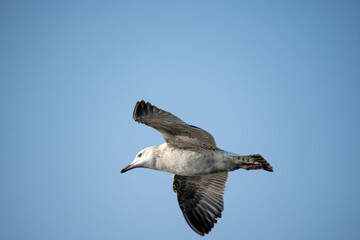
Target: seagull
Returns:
[[200, 168]]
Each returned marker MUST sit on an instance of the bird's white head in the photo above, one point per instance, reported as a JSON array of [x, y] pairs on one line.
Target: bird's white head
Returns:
[[144, 159]]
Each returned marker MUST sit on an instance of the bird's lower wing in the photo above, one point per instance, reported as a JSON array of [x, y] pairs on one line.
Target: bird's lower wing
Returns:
[[201, 199]]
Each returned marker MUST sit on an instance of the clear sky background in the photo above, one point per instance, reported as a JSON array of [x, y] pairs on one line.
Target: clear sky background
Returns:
[[279, 78]]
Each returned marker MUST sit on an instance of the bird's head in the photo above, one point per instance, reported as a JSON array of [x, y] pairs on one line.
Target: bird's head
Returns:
[[144, 159]]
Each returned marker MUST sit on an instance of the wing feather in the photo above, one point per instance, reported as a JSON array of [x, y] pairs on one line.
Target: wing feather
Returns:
[[175, 132], [201, 199]]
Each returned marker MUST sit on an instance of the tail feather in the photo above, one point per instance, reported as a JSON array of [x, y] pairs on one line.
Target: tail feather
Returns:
[[255, 161]]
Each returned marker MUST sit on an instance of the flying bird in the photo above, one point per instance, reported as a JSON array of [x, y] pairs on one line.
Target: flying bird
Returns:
[[200, 168]]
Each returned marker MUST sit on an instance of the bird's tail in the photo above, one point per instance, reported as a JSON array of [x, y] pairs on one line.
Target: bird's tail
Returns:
[[252, 162]]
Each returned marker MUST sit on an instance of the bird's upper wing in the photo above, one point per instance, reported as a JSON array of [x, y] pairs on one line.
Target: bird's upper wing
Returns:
[[201, 199], [175, 132]]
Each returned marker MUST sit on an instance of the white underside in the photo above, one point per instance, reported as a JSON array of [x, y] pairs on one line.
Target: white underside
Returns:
[[192, 162]]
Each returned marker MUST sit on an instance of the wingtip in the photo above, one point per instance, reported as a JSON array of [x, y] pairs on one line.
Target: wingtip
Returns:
[[142, 102], [138, 106], [135, 109]]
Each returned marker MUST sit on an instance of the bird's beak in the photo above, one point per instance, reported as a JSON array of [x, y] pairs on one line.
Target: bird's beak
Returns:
[[127, 168]]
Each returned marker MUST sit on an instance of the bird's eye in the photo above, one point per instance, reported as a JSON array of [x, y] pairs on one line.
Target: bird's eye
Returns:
[[139, 155]]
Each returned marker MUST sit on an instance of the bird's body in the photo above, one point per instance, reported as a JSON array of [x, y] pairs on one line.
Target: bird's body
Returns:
[[200, 168], [192, 162]]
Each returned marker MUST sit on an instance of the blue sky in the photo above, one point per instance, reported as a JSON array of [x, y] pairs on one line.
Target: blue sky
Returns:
[[279, 78]]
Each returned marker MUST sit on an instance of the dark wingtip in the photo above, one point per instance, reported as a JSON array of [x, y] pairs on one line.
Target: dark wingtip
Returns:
[[139, 107], [136, 109]]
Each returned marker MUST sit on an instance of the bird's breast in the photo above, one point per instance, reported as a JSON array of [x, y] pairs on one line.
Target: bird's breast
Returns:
[[187, 162]]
